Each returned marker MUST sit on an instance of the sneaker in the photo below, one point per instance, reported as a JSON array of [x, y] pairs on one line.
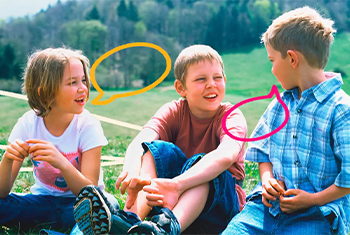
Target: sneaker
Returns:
[[95, 215], [162, 224], [92, 211]]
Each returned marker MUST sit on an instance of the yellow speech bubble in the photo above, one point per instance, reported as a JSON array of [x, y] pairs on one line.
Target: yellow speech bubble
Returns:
[[97, 101]]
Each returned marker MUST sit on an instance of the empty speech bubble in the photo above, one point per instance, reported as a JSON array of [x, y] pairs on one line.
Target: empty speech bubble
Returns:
[[274, 91], [97, 101]]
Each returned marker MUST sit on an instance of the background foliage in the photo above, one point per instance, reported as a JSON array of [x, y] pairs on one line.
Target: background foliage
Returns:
[[98, 26]]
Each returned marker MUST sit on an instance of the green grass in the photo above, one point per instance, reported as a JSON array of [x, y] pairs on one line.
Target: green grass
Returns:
[[248, 74], [137, 110]]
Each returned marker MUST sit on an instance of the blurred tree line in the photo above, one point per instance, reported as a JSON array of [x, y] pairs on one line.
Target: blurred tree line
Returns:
[[97, 26]]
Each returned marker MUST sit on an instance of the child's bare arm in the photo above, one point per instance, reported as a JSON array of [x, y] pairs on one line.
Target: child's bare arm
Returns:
[[213, 164], [10, 165], [133, 156], [272, 188], [302, 199], [75, 179], [89, 173]]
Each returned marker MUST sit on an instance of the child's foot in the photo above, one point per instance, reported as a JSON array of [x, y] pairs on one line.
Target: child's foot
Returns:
[[163, 223], [95, 215]]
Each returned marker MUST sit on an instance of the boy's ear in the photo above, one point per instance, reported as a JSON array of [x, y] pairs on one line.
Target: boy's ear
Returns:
[[293, 58], [179, 87]]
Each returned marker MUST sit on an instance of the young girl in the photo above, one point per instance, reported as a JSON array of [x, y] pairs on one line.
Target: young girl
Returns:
[[63, 140]]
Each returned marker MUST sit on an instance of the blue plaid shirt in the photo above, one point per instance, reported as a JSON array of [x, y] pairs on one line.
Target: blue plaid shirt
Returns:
[[312, 151]]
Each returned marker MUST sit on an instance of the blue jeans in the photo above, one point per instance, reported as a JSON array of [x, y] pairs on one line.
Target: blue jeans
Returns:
[[28, 210], [256, 219], [222, 203]]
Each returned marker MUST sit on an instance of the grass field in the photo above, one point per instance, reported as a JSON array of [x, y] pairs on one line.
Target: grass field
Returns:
[[248, 74]]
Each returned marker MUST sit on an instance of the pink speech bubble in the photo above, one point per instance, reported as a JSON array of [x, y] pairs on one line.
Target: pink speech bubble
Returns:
[[274, 91]]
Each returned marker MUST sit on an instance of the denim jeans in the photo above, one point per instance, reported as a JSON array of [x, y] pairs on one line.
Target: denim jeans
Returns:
[[29, 211], [256, 219], [222, 203]]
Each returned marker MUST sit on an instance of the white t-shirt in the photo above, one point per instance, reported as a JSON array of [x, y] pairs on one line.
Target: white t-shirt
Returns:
[[83, 133]]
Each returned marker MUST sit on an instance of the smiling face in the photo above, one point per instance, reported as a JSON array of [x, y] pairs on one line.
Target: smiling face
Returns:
[[73, 91], [281, 68], [204, 88]]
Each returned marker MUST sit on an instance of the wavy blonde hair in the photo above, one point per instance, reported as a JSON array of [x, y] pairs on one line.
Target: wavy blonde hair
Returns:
[[192, 55], [44, 73], [304, 30]]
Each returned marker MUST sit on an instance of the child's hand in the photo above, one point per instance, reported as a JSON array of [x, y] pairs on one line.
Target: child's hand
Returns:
[[124, 179], [301, 200], [17, 151], [42, 150], [272, 189], [162, 192], [135, 186]]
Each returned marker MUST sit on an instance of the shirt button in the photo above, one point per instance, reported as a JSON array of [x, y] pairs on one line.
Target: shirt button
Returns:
[[296, 163], [294, 136], [299, 110]]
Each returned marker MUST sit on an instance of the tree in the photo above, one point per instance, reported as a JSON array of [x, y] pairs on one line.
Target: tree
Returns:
[[122, 11], [232, 28], [88, 36], [216, 27], [4, 70], [348, 14], [170, 4], [92, 14], [155, 16], [9, 54], [133, 14], [7, 63], [140, 29], [262, 15]]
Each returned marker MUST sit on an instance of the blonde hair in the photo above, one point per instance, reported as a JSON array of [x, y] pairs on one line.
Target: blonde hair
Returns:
[[44, 73], [304, 30], [193, 55]]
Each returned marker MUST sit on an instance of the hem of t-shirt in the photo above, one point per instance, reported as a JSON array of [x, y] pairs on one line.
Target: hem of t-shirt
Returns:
[[94, 146]]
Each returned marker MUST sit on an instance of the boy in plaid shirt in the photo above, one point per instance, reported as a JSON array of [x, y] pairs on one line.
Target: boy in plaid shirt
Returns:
[[305, 167]]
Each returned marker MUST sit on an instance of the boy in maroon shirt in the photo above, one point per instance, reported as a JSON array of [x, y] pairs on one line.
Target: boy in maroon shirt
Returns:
[[196, 168]]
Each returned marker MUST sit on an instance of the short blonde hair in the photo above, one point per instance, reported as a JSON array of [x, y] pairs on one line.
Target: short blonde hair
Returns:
[[304, 30], [44, 71], [193, 55]]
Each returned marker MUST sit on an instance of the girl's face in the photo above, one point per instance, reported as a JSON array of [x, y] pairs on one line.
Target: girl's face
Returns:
[[72, 94]]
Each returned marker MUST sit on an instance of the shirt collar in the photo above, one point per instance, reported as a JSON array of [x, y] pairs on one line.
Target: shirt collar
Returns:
[[291, 93], [322, 90]]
